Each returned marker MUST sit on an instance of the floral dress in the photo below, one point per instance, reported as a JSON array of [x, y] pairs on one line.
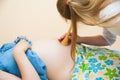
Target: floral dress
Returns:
[[96, 64]]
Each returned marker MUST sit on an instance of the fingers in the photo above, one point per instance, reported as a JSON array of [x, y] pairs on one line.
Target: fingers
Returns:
[[70, 38], [61, 38], [21, 46], [25, 44], [64, 37]]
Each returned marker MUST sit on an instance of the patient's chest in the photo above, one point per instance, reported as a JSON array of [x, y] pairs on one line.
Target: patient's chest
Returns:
[[56, 57]]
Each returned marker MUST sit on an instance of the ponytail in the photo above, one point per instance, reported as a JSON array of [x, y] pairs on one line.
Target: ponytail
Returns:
[[74, 32]]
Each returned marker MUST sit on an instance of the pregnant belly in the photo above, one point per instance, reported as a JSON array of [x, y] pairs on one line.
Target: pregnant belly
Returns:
[[56, 57], [59, 74]]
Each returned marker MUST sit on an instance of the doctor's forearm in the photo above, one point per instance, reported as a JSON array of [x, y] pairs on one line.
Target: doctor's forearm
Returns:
[[93, 40]]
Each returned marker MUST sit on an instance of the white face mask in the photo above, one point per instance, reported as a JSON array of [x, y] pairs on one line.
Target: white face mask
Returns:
[[111, 10]]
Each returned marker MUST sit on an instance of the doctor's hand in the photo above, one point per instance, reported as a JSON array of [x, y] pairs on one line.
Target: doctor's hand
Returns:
[[60, 39]]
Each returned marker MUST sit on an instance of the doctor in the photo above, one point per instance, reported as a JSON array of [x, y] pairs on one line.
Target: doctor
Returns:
[[107, 17]]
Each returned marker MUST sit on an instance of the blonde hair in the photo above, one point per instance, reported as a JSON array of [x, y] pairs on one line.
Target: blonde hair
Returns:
[[86, 11]]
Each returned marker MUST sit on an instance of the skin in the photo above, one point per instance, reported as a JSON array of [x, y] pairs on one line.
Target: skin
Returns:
[[7, 76], [97, 40], [93, 40], [56, 57]]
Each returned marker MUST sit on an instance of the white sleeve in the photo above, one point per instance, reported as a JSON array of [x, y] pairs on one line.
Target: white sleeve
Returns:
[[109, 37]]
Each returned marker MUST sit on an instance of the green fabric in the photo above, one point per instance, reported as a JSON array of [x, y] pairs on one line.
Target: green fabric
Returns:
[[96, 64]]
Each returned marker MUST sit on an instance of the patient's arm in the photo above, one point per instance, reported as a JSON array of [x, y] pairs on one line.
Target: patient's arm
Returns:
[[7, 76], [27, 71]]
